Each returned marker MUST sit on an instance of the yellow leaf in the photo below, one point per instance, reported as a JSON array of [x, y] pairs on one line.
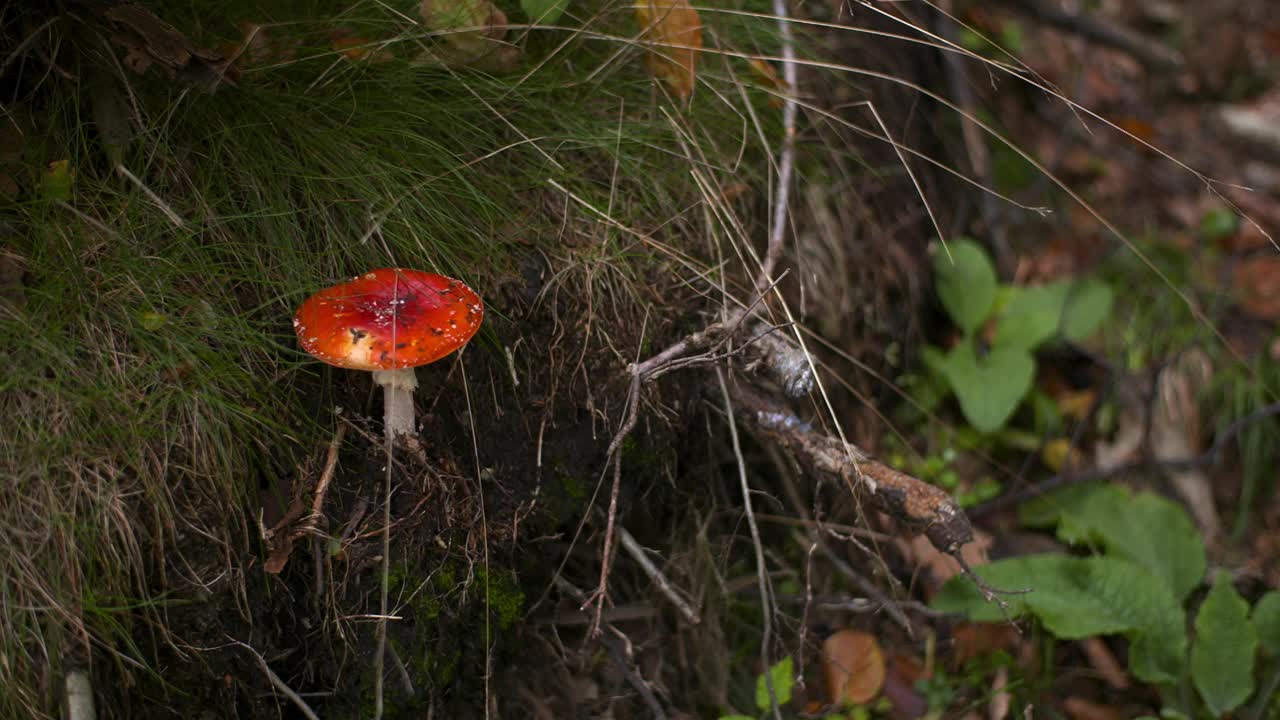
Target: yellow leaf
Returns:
[[673, 31], [1059, 455]]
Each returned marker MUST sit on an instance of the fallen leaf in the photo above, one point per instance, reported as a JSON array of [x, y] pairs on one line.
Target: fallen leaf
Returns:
[[673, 31], [1257, 283], [854, 666], [1061, 454], [1176, 430], [354, 47], [1102, 660], [1080, 709], [900, 687], [1076, 404], [943, 567], [973, 640], [472, 33], [1138, 128]]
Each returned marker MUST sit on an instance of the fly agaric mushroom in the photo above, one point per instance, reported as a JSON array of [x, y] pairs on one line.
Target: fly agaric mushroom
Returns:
[[389, 321]]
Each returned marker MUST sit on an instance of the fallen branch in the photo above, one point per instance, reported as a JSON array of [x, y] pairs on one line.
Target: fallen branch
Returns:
[[919, 506]]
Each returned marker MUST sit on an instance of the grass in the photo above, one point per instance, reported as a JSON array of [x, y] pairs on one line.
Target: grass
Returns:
[[152, 381]]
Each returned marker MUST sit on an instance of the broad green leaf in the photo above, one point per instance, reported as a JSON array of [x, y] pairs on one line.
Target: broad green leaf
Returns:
[[1081, 597], [989, 389], [1266, 618], [1226, 643], [1049, 509], [1032, 316], [781, 674], [1088, 304], [544, 12], [1152, 531], [966, 282]]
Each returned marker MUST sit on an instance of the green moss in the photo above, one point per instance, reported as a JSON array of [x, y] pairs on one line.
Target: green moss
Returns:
[[503, 595]]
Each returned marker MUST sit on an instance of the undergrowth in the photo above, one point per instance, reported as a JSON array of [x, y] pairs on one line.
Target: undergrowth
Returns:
[[152, 387]]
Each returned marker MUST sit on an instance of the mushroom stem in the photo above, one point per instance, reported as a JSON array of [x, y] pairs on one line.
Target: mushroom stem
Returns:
[[397, 387]]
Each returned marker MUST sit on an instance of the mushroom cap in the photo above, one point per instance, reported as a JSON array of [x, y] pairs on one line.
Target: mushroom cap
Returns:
[[388, 319]]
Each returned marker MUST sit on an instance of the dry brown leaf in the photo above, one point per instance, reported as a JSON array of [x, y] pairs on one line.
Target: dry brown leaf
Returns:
[[674, 33], [1080, 709], [854, 665], [942, 567], [1176, 430], [1102, 660], [973, 640], [1257, 281], [354, 47], [900, 686]]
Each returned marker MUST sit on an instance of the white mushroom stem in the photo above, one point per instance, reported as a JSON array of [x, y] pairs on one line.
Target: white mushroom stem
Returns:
[[79, 696], [398, 387]]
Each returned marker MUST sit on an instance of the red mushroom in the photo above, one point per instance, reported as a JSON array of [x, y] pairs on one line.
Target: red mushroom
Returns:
[[389, 321]]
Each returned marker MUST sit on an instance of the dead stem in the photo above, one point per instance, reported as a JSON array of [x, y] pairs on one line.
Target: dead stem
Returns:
[[279, 684], [766, 604]]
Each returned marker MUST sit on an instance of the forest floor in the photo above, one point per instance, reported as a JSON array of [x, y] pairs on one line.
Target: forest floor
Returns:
[[869, 360]]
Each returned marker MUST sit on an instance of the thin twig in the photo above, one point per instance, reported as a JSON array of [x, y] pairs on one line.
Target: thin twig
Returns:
[[379, 657], [616, 646], [279, 684], [787, 158], [174, 217], [766, 632], [638, 554], [330, 468]]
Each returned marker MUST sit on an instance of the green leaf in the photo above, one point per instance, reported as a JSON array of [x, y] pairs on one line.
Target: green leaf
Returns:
[[1032, 316], [544, 12], [989, 389], [1226, 643], [1266, 618], [1088, 304], [736, 717], [781, 673], [1218, 223], [1049, 509], [1152, 531], [1081, 597], [966, 282]]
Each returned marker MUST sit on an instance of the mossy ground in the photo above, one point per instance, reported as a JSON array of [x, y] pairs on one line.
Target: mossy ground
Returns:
[[159, 416]]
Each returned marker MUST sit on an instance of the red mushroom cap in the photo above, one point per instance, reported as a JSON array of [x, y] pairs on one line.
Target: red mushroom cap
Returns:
[[388, 319]]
